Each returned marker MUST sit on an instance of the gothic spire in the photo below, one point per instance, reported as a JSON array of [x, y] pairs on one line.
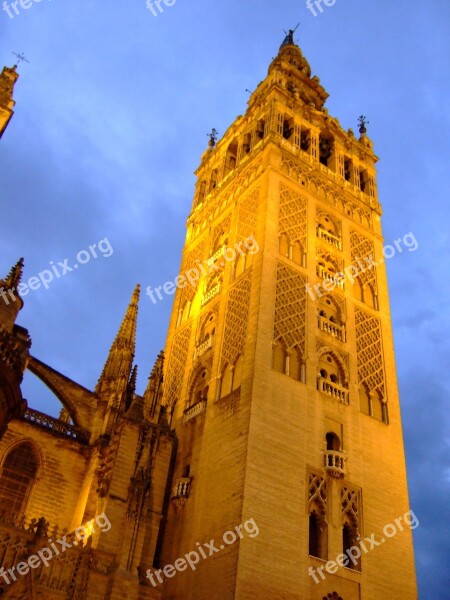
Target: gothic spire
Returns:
[[14, 276], [117, 370]]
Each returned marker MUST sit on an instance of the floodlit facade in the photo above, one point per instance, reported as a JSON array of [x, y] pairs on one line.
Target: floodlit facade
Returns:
[[265, 459]]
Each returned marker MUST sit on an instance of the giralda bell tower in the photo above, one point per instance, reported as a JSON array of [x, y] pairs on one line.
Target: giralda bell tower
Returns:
[[279, 365]]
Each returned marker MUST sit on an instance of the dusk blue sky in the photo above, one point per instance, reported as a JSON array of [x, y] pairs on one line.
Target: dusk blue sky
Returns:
[[111, 120]]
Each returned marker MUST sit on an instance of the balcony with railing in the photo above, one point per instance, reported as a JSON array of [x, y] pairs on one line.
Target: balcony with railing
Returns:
[[334, 463], [199, 408], [181, 488], [328, 275], [215, 257], [55, 426], [330, 238], [333, 389], [331, 328], [203, 347], [212, 292]]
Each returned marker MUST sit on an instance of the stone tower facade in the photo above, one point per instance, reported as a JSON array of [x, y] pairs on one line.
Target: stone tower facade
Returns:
[[280, 376], [265, 458], [8, 78]]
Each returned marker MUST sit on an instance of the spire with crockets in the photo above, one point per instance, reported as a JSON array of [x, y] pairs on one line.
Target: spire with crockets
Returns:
[[114, 380]]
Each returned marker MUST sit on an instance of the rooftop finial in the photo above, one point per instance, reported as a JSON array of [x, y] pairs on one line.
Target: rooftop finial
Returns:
[[289, 39], [362, 121], [212, 137], [20, 57]]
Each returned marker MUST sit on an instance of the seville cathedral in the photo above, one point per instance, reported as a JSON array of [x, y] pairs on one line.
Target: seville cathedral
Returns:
[[265, 456]]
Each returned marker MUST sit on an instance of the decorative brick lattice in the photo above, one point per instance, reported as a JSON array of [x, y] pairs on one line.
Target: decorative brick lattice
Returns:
[[369, 351], [176, 366], [236, 322], [290, 308], [190, 261], [219, 229], [248, 216], [317, 492], [362, 247], [292, 219]]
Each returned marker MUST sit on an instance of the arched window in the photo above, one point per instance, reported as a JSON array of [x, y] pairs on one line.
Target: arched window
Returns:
[[284, 245], [227, 381], [317, 536], [231, 157], [295, 365], [364, 400], [333, 441], [358, 290], [349, 540], [199, 390], [377, 407], [213, 180], [279, 357], [18, 474], [237, 375]]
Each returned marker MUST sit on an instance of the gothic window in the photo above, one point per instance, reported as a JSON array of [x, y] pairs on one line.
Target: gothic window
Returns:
[[333, 441], [348, 169], [260, 128], [363, 180], [284, 245], [237, 374], [350, 514], [296, 366], [18, 474], [330, 369], [231, 378], [326, 149], [231, 157], [305, 140], [332, 378], [371, 403], [288, 127], [330, 318], [349, 535], [279, 357], [213, 180], [364, 399], [227, 381], [247, 145], [358, 290], [200, 387], [317, 535], [202, 191]]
